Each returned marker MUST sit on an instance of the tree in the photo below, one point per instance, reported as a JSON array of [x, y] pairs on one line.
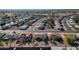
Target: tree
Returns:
[[59, 39], [51, 22], [72, 41], [77, 20]]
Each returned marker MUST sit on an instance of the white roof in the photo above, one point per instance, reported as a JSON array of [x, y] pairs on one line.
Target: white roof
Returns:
[[77, 26]]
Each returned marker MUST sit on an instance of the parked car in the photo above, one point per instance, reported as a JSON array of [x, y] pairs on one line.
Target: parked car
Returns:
[[4, 27], [41, 28], [7, 25], [0, 27], [23, 27]]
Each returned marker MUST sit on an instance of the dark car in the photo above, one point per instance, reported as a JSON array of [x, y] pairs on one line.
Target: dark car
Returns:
[[41, 28]]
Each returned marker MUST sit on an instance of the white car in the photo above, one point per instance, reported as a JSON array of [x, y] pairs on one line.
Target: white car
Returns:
[[0, 27], [23, 27], [7, 25]]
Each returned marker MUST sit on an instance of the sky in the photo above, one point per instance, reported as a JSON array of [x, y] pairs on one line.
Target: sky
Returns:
[[39, 4]]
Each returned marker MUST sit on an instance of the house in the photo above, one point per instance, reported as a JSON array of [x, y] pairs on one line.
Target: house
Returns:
[[40, 26], [58, 25], [9, 36], [72, 20]]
